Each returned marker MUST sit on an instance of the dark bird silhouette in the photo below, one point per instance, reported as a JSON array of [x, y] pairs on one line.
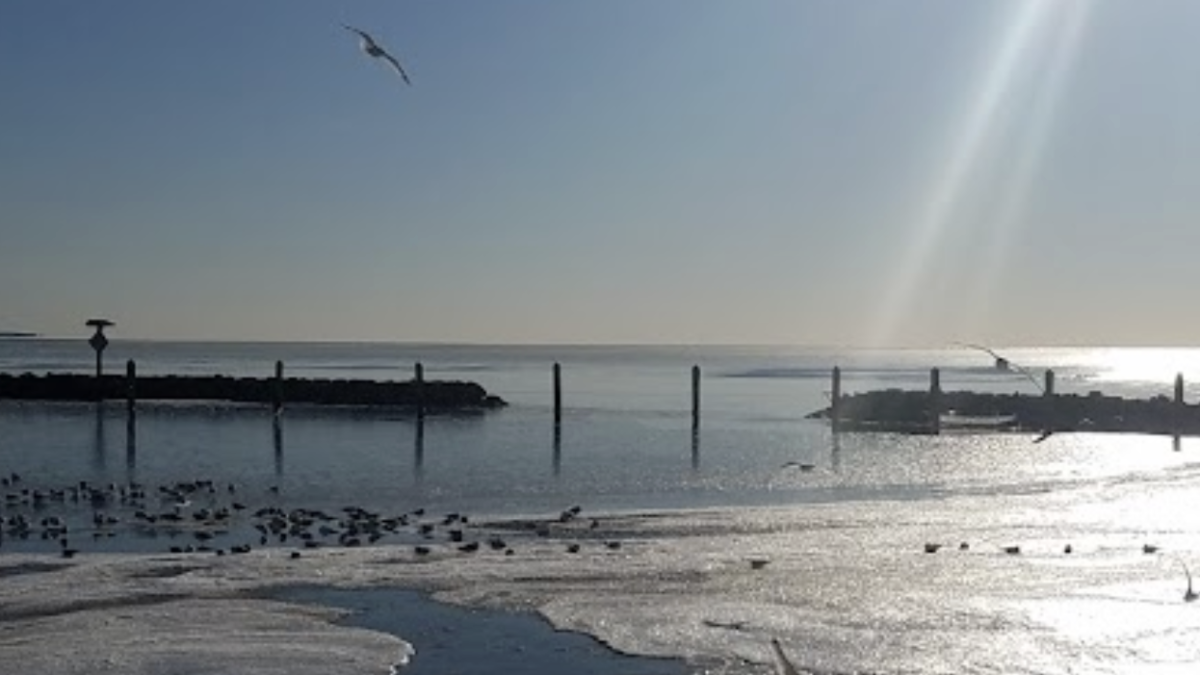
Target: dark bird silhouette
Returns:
[[783, 665], [798, 465], [1190, 595], [1005, 364], [372, 49], [727, 625]]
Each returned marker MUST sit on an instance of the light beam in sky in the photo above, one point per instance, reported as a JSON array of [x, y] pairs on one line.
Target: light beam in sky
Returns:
[[974, 129], [1062, 40]]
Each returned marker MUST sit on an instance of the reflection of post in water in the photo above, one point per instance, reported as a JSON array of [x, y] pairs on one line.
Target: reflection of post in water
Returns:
[[1176, 443], [277, 442], [836, 452], [99, 446], [695, 448], [419, 448], [130, 446], [556, 458]]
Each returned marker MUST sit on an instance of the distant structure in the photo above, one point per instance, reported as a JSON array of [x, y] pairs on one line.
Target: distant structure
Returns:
[[99, 342]]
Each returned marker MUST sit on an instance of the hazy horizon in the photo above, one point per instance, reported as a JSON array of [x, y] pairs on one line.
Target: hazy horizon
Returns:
[[683, 172]]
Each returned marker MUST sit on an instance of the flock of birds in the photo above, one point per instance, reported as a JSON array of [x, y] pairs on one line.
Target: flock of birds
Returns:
[[202, 516]]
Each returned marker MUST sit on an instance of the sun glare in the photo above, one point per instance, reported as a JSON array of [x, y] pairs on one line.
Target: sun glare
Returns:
[[1036, 36], [1152, 365]]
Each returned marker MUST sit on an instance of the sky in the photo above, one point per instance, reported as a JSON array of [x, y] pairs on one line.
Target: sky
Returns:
[[809, 172]]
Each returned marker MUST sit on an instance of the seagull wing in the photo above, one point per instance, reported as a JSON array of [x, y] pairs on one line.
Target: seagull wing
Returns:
[[367, 40], [1012, 366], [396, 66], [783, 666]]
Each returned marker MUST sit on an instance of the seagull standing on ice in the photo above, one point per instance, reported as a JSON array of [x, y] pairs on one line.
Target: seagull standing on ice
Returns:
[[372, 49]]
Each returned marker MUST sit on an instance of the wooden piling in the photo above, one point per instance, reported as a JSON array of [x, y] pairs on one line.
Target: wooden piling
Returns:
[[835, 400], [130, 387], [419, 380], [1048, 394], [277, 393], [557, 380], [935, 401], [695, 397], [1180, 406]]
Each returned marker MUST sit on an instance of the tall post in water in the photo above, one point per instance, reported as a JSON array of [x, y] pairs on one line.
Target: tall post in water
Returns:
[[1180, 406], [99, 342], [419, 380], [130, 388], [277, 391], [130, 417], [935, 401], [835, 401], [1048, 393], [695, 398], [557, 381]]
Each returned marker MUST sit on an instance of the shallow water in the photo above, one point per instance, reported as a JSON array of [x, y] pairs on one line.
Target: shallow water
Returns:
[[469, 641], [847, 586]]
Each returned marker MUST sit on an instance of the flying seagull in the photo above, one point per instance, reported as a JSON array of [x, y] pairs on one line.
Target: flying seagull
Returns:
[[372, 49], [1008, 365], [1005, 364]]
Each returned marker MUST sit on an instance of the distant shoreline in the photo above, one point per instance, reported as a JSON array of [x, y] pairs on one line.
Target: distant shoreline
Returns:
[[16, 334]]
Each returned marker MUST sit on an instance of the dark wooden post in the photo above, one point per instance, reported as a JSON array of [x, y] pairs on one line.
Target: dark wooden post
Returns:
[[695, 397], [935, 401], [835, 401], [277, 394], [130, 387], [557, 378], [1180, 406], [419, 379], [1048, 393]]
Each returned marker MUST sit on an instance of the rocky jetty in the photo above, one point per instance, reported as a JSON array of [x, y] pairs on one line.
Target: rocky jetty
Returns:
[[914, 412], [431, 395]]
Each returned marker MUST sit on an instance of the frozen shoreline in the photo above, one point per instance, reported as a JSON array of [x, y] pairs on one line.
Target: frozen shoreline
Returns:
[[846, 588]]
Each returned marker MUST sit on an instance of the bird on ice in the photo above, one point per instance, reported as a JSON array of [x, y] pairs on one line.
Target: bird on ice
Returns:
[[372, 49], [783, 665]]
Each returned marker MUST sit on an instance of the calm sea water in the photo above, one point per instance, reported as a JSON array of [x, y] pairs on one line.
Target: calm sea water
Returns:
[[625, 442], [626, 446]]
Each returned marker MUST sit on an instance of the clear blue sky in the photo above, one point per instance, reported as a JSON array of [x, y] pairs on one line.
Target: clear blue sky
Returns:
[[679, 171]]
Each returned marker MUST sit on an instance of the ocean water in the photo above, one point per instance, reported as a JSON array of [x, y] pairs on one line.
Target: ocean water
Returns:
[[848, 586]]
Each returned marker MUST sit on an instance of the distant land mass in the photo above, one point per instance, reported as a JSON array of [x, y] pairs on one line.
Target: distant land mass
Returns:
[[16, 334]]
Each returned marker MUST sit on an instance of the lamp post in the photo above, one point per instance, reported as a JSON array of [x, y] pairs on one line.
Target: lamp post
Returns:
[[98, 342]]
